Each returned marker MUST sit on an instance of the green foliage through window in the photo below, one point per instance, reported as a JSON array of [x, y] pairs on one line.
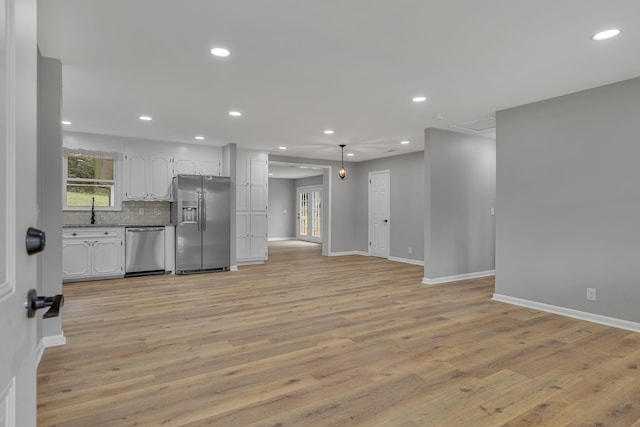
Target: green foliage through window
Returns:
[[90, 179]]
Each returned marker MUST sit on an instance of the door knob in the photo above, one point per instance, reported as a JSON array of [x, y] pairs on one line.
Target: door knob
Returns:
[[34, 302], [35, 241], [385, 220]]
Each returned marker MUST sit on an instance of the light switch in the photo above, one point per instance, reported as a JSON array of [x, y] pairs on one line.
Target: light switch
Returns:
[[284, 211], [493, 211], [140, 211]]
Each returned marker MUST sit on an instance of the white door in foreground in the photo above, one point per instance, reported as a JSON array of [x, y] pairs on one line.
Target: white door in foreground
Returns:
[[18, 210]]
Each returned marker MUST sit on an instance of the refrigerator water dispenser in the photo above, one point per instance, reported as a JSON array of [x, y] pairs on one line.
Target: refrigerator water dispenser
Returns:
[[189, 214]]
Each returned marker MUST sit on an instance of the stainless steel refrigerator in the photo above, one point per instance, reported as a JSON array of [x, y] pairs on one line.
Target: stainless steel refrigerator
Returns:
[[201, 212]]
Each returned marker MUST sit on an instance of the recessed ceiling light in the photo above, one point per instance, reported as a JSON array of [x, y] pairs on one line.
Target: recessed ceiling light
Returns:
[[303, 167], [282, 147], [270, 173], [66, 122], [439, 116], [328, 132], [200, 137], [350, 154], [235, 113], [607, 34], [220, 52], [146, 118], [419, 98], [404, 142]]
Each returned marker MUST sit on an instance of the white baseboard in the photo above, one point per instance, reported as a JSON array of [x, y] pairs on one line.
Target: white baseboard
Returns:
[[46, 342], [249, 263], [447, 279], [277, 239], [233, 268], [576, 314], [362, 253], [54, 340], [345, 253], [406, 260], [39, 352]]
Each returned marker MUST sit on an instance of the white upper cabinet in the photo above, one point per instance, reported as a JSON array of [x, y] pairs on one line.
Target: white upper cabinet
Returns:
[[243, 182], [259, 180], [160, 178], [210, 167], [252, 177], [198, 161], [146, 177], [135, 177], [182, 166]]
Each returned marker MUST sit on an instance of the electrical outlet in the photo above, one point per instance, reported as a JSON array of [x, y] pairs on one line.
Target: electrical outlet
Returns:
[[591, 294], [410, 250]]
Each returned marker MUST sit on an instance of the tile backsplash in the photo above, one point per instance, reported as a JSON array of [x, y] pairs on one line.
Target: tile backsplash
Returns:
[[154, 213]]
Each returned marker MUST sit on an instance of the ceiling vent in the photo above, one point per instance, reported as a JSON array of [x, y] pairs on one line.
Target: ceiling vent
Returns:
[[481, 125]]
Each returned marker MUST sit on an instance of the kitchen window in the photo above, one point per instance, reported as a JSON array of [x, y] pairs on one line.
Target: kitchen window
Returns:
[[90, 178]]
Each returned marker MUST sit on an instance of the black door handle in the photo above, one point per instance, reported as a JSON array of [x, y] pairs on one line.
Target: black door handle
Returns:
[[385, 220], [34, 302], [35, 241]]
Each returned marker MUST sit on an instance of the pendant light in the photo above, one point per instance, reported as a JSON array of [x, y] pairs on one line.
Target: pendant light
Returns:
[[342, 172]]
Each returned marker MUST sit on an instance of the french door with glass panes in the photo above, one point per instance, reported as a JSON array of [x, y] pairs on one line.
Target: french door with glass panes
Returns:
[[310, 214]]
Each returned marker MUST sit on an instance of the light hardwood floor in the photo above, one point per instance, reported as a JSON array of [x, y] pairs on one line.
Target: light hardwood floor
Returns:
[[307, 340]]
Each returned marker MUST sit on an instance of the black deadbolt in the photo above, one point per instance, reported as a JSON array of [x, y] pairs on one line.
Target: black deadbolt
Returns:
[[35, 241]]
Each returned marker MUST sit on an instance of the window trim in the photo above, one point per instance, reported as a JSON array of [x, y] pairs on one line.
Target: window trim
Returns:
[[117, 181]]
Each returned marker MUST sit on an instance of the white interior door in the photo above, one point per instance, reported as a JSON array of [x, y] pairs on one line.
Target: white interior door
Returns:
[[18, 210], [379, 221], [309, 215]]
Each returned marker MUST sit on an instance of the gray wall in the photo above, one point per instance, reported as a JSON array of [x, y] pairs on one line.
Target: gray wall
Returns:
[[282, 208], [569, 201], [406, 222], [460, 190], [308, 182], [49, 185]]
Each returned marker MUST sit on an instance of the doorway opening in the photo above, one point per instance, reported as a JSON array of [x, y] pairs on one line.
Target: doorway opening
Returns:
[[289, 172]]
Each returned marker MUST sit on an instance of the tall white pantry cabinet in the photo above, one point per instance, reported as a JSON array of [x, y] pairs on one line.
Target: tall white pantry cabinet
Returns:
[[252, 178]]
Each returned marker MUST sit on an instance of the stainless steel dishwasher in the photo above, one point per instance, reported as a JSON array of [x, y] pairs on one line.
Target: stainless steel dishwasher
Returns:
[[144, 251]]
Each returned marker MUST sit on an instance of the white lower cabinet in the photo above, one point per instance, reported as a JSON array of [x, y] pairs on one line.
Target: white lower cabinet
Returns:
[[92, 253], [251, 236]]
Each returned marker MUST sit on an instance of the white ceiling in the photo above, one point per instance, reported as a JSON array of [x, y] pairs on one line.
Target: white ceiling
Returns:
[[298, 67]]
